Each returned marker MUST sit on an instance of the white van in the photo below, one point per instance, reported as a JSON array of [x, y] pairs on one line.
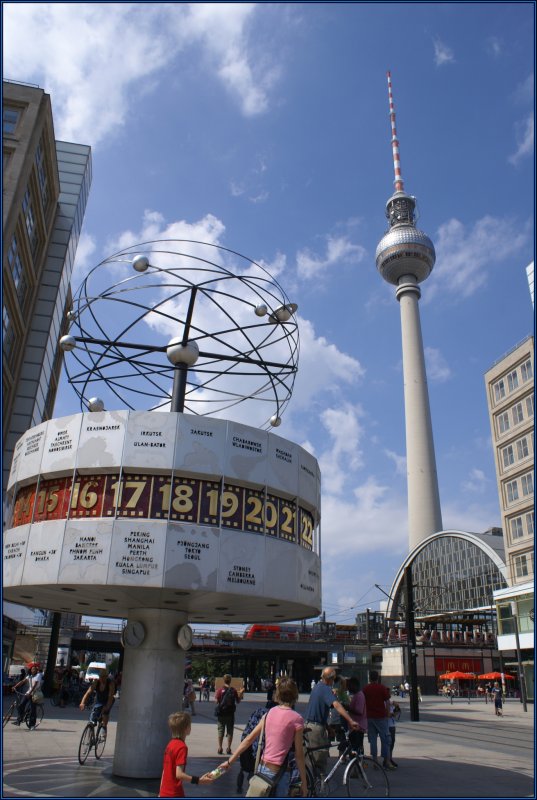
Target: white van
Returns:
[[92, 672]]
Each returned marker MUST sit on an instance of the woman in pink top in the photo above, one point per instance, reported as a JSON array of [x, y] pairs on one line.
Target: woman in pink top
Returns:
[[283, 728], [357, 710]]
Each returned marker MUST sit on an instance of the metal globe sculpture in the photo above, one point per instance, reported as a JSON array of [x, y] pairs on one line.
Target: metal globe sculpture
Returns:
[[185, 326]]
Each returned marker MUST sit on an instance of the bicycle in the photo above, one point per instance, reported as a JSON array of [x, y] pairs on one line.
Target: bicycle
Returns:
[[14, 707], [363, 776], [93, 738]]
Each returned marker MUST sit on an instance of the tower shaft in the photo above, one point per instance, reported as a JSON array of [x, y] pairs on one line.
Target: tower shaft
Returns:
[[424, 514]]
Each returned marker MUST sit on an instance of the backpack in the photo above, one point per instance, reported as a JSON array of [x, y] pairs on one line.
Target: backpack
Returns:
[[227, 702]]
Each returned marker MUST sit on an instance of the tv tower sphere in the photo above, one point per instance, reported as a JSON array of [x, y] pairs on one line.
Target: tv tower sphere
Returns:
[[404, 250]]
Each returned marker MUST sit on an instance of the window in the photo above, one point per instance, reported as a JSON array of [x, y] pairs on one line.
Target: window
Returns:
[[8, 334], [529, 405], [10, 118], [530, 523], [523, 565], [503, 422], [42, 173], [499, 390], [512, 381], [516, 528], [522, 448], [508, 455], [29, 219], [527, 484], [526, 371], [512, 491], [17, 270], [518, 414]]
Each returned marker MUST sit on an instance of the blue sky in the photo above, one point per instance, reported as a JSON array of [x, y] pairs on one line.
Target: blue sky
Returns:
[[265, 128]]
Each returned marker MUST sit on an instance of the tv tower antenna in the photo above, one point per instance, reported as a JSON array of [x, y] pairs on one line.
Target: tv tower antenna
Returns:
[[398, 182], [405, 257]]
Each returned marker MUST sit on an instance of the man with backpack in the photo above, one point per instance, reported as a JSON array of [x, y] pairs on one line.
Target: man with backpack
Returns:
[[226, 699]]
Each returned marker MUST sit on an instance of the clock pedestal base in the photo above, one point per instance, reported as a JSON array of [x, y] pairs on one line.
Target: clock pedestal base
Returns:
[[151, 689]]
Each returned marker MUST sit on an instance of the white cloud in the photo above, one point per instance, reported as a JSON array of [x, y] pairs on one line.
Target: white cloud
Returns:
[[464, 257], [399, 461], [83, 261], [437, 367], [476, 482], [339, 249], [524, 132], [343, 455], [442, 53], [494, 46], [114, 52]]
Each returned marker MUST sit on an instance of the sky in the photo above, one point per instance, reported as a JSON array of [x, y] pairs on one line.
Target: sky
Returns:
[[264, 128]]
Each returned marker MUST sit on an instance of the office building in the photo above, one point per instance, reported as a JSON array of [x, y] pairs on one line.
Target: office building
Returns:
[[46, 185]]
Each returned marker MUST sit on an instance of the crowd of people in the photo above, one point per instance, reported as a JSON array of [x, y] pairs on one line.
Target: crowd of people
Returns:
[[336, 706]]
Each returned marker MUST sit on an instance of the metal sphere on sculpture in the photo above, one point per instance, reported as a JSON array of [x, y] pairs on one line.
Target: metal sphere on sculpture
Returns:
[[140, 263], [261, 310], [275, 421], [96, 404], [179, 353], [68, 343]]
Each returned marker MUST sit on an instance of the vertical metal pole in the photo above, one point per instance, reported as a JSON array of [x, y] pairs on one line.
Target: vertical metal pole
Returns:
[[181, 370], [521, 676], [52, 653], [411, 646]]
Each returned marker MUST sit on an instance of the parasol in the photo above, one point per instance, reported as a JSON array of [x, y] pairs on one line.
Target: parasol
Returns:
[[495, 676]]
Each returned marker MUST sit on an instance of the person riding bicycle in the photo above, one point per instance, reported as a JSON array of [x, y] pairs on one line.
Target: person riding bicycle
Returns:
[[105, 689], [33, 681]]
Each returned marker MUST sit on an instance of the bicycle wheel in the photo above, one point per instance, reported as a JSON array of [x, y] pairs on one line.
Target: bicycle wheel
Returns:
[[9, 713], [87, 741], [366, 778], [39, 714], [100, 741], [316, 785]]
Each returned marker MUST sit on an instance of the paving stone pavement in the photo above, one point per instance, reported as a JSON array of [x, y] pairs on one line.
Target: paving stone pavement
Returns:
[[459, 750]]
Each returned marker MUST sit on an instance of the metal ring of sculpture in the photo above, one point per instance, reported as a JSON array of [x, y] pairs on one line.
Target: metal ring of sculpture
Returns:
[[234, 334]]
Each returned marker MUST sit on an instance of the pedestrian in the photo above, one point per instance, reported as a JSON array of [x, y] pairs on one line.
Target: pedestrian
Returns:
[[419, 695], [226, 699], [357, 710], [175, 758], [489, 691], [321, 701], [189, 696], [312, 684], [394, 708], [498, 702], [283, 730], [33, 682], [377, 699]]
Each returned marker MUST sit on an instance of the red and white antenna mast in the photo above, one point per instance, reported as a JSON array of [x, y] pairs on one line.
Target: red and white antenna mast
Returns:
[[398, 182]]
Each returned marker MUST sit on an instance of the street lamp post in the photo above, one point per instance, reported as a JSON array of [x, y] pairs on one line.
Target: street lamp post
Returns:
[[521, 677]]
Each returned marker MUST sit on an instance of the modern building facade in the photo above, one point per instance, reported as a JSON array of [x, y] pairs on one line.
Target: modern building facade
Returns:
[[454, 577], [510, 399], [46, 186]]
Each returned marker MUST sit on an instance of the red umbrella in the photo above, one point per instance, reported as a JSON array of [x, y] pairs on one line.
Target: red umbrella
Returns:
[[457, 676], [495, 676]]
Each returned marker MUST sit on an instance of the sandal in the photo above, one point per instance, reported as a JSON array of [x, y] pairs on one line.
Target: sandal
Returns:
[[220, 752], [228, 751]]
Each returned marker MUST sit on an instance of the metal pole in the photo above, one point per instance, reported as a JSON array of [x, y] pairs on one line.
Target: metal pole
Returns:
[[52, 653], [411, 646], [181, 371], [521, 676]]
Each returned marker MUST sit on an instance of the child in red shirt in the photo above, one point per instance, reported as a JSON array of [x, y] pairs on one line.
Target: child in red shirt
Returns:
[[175, 756]]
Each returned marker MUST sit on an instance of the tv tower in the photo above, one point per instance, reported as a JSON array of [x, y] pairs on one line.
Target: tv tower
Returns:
[[405, 257]]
